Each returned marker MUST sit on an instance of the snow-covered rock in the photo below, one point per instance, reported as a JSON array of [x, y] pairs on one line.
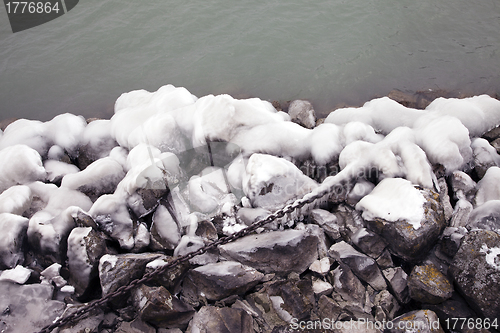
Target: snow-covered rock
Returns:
[[14, 229], [488, 188], [20, 164], [15, 200], [302, 113]]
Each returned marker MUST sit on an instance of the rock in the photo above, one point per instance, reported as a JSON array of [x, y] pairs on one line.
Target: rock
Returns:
[[85, 247], [280, 252], [485, 156], [412, 225], [398, 283], [134, 326], [327, 221], [428, 285], [350, 221], [424, 321], [385, 260], [369, 242], [461, 213], [452, 308], [388, 303], [219, 280], [18, 275], [83, 219], [328, 309], [212, 319], [496, 144], [172, 277], [118, 270], [321, 266], [190, 244], [476, 271], [145, 200], [266, 312], [165, 233], [14, 229], [321, 287], [157, 306], [492, 135], [486, 217], [27, 308], [90, 322], [403, 98], [315, 230], [363, 266], [451, 239], [51, 275], [463, 186], [444, 198], [302, 113]]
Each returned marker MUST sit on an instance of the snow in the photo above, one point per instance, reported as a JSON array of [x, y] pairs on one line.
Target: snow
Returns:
[[13, 232], [492, 256], [78, 260], [224, 268], [19, 164], [165, 226], [18, 275], [56, 170], [394, 199], [15, 200]]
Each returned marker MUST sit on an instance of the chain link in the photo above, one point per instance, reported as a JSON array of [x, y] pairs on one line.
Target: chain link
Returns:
[[324, 189]]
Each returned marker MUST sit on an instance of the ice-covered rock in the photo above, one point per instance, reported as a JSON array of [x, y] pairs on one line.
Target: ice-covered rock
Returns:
[[14, 229], [156, 305], [485, 156], [213, 319], [19, 165], [302, 113], [85, 248], [51, 275], [363, 266], [271, 182], [486, 216], [488, 188], [476, 271], [409, 219], [15, 200], [428, 285], [27, 308], [165, 233], [219, 280], [280, 252], [189, 244]]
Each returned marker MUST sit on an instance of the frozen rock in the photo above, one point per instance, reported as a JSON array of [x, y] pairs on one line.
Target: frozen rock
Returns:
[[488, 186], [96, 142], [271, 182], [280, 252], [462, 185], [360, 189], [424, 321], [15, 200], [409, 219], [118, 270], [56, 170], [213, 319], [302, 113], [397, 280], [14, 229], [157, 306], [485, 156], [18, 275], [219, 280], [85, 247], [19, 165], [165, 233], [369, 242], [363, 266], [100, 177], [190, 244], [428, 285], [486, 217], [327, 221], [51, 275], [476, 271], [349, 220], [461, 213], [27, 308]]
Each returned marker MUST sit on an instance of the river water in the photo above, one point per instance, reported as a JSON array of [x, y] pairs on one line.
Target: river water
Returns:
[[330, 52]]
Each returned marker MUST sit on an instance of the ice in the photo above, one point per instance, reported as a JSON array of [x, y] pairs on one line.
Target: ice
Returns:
[[27, 132], [97, 138], [488, 188], [13, 233], [18, 275], [77, 255], [66, 131], [485, 155], [15, 200], [492, 256], [394, 199], [165, 226], [20, 164], [51, 275], [56, 170]]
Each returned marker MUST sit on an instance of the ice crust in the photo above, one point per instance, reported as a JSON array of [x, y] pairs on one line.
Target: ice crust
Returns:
[[143, 147]]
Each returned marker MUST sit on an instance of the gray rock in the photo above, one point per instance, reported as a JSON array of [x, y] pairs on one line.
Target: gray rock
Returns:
[[385, 260], [14, 229], [321, 287], [486, 217], [461, 213], [327, 221], [369, 242], [423, 321], [388, 303], [302, 113], [118, 270], [363, 266], [219, 280], [407, 242], [492, 135], [165, 233], [451, 239], [145, 200], [476, 271], [315, 230], [172, 277], [212, 319], [322, 266], [157, 306], [134, 326], [280, 252], [83, 219], [445, 198], [85, 247], [350, 221], [27, 308], [265, 311], [428, 285], [90, 322], [463, 186], [328, 309], [397, 280]]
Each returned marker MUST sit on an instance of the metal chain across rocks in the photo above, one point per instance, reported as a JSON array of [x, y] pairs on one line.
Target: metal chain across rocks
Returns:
[[325, 188]]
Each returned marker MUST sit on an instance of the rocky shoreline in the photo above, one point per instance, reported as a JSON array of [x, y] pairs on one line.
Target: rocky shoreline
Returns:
[[409, 236]]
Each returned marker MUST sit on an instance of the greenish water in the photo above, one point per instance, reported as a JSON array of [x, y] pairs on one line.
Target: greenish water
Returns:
[[329, 52]]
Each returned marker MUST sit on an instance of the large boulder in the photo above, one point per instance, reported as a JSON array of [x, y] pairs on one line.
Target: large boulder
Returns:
[[280, 252], [410, 219], [476, 271]]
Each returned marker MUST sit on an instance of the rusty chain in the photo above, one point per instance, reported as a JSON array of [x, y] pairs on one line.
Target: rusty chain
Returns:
[[324, 189]]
